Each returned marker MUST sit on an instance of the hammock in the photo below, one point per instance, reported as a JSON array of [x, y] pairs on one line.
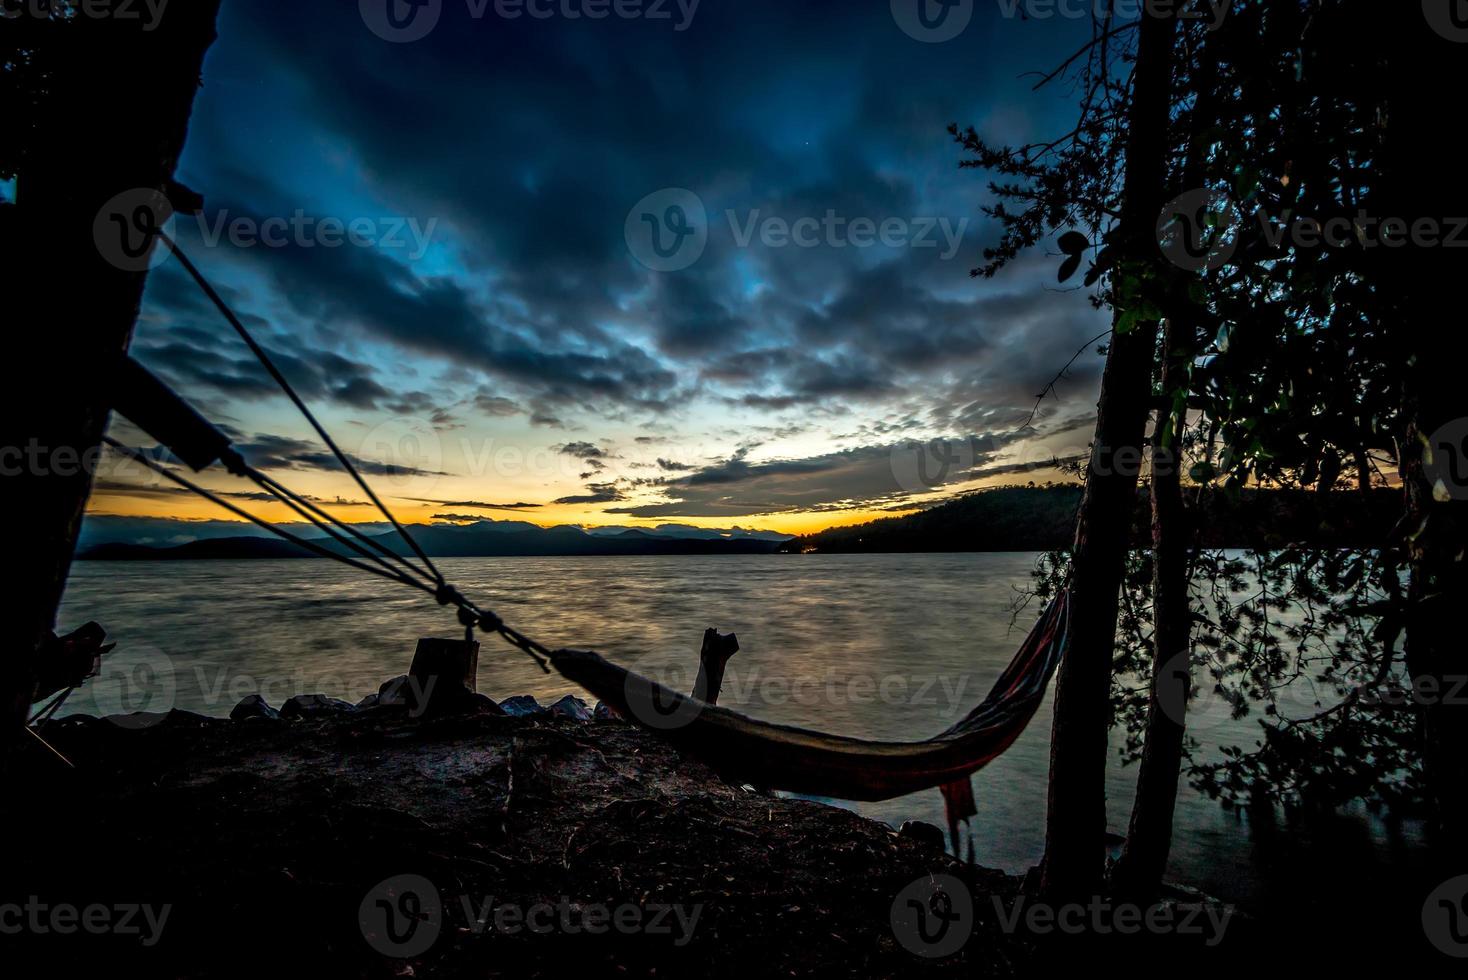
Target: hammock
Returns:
[[745, 749]]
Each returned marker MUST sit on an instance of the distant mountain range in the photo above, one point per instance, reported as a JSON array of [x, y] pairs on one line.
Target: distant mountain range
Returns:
[[1004, 519], [482, 538], [1043, 519]]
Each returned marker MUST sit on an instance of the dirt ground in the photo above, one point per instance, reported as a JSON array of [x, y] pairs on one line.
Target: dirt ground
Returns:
[[373, 844]]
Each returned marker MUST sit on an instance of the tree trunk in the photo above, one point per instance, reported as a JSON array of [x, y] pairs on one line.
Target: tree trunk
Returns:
[[1076, 812], [1426, 284], [116, 115], [1143, 862]]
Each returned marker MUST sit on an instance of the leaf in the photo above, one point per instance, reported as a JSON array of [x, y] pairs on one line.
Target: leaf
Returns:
[[1068, 267], [1073, 243], [1202, 473]]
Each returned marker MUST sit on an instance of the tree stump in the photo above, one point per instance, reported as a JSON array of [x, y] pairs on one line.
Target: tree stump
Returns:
[[712, 659], [444, 675]]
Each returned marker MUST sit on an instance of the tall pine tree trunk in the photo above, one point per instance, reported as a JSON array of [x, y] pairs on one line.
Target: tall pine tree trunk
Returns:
[[115, 116], [1076, 812]]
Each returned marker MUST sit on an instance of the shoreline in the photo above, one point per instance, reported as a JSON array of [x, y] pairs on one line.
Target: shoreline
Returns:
[[293, 831]]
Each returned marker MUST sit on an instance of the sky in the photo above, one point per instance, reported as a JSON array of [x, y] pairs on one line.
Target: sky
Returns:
[[699, 263]]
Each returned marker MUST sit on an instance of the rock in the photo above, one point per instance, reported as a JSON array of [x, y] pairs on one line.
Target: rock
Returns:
[[253, 707], [172, 718], [310, 706], [923, 832], [522, 706], [605, 712], [485, 704], [571, 707], [391, 693]]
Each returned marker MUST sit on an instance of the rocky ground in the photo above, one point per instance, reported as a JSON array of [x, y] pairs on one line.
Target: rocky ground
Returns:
[[370, 843]]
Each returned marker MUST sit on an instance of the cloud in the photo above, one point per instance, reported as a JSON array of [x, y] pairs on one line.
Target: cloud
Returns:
[[123, 488], [473, 504], [867, 477], [581, 450], [527, 310], [285, 453], [601, 493]]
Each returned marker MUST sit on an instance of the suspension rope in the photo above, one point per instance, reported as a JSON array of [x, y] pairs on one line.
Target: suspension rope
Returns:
[[430, 580], [290, 392], [290, 500], [470, 615], [317, 516], [311, 546], [51, 707]]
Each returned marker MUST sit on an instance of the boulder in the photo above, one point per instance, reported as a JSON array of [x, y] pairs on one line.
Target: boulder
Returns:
[[309, 706], [484, 704], [254, 707], [522, 706], [173, 718], [923, 833], [391, 693], [605, 712], [571, 707]]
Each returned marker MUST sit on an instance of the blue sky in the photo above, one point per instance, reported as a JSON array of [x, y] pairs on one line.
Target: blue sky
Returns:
[[499, 329]]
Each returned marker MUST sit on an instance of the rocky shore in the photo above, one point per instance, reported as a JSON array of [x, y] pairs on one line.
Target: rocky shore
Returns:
[[503, 839]]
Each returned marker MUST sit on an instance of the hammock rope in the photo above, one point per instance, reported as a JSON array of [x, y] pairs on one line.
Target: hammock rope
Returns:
[[775, 756], [290, 392]]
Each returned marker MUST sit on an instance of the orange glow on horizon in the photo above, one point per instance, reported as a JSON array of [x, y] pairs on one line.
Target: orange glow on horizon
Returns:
[[146, 503], [121, 504]]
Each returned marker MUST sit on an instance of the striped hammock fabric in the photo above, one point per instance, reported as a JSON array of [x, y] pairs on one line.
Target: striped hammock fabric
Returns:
[[746, 750]]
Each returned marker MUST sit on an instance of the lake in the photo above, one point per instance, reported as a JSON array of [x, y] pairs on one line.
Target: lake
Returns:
[[877, 646]]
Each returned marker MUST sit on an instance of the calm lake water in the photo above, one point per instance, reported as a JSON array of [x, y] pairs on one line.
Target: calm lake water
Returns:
[[880, 646]]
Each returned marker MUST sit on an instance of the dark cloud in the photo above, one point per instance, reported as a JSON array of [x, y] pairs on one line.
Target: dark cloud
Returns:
[[581, 450], [869, 477], [495, 405], [269, 452], [124, 488], [473, 504], [601, 493], [527, 146]]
